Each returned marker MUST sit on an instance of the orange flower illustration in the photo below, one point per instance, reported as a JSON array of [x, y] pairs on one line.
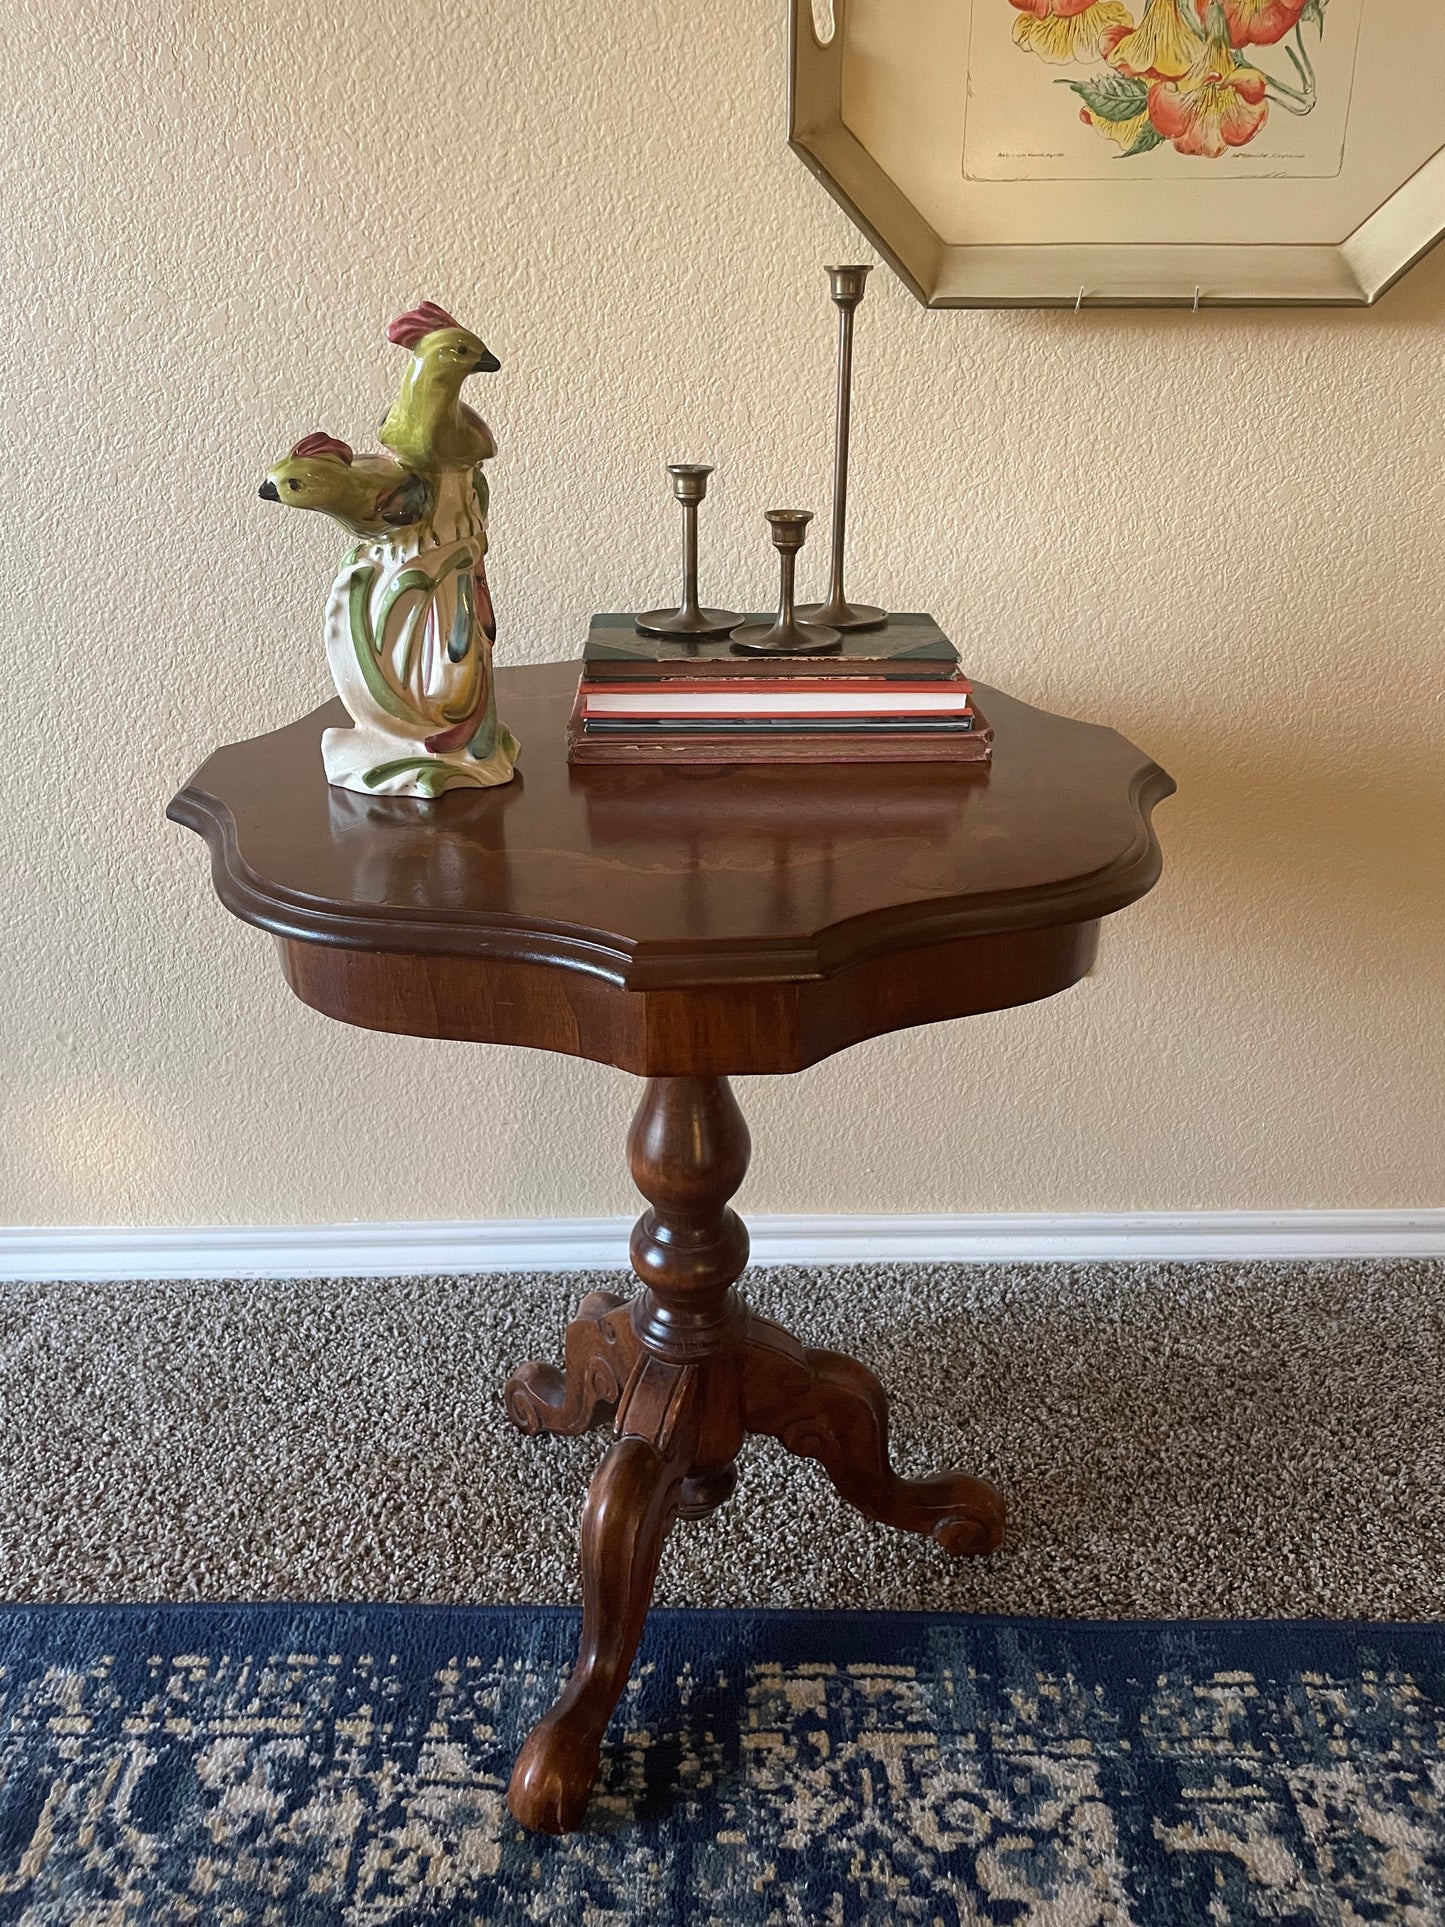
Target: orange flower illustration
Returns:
[[1217, 105], [1064, 30], [1183, 73], [1257, 23], [1162, 47]]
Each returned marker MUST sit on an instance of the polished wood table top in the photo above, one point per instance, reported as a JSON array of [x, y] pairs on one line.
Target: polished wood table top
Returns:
[[669, 920], [686, 924]]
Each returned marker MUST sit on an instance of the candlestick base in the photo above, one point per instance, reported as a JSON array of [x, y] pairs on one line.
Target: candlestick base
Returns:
[[843, 615], [698, 623], [782, 638]]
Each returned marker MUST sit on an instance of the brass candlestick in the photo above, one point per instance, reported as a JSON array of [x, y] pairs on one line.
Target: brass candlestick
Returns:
[[846, 287], [689, 485], [787, 636]]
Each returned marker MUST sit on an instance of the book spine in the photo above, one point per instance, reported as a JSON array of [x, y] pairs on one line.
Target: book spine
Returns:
[[803, 699], [585, 750], [760, 713], [767, 669], [645, 730], [700, 685], [622, 750]]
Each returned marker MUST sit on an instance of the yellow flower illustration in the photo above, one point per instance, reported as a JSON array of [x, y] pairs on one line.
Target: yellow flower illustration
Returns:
[[1217, 105], [1161, 47], [1065, 30]]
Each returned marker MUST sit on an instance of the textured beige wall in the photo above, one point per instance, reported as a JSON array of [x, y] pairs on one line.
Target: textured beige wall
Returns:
[[1223, 533]]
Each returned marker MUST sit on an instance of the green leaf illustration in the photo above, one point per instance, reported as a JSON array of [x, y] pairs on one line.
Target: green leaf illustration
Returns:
[[1110, 96], [1148, 136], [1315, 13]]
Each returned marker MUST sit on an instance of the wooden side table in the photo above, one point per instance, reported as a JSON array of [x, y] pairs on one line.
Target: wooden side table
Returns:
[[686, 925]]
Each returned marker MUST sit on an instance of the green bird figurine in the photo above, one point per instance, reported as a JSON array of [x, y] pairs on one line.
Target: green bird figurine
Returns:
[[409, 623], [428, 426], [371, 495]]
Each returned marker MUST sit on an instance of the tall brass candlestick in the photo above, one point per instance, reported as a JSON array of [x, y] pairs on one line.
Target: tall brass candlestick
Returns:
[[846, 287]]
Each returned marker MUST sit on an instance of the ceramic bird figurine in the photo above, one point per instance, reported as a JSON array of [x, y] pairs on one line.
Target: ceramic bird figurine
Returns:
[[428, 425], [371, 495], [409, 623]]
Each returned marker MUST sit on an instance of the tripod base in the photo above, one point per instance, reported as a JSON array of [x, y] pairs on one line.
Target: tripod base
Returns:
[[682, 1375]]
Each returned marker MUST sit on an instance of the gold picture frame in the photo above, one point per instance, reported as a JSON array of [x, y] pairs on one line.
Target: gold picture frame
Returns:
[[979, 172]]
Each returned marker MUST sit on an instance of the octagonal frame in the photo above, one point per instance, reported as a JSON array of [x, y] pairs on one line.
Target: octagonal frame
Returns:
[[1352, 273]]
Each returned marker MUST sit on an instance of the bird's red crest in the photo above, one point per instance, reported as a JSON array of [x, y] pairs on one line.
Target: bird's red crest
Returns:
[[413, 327], [319, 444]]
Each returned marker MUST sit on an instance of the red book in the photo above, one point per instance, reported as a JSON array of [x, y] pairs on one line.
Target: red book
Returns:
[[814, 699], [818, 746]]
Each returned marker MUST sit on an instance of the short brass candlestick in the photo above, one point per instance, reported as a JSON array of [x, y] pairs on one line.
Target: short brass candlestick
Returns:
[[787, 636], [846, 287], [689, 485]]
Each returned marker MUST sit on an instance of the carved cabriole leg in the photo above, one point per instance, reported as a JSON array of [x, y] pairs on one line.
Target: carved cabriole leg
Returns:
[[824, 1406], [679, 1419], [632, 1502], [601, 1351]]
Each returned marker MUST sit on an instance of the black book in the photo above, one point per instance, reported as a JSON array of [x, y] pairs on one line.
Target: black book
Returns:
[[910, 648]]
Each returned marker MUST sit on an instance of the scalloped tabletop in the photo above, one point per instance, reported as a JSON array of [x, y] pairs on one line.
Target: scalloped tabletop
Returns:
[[683, 920]]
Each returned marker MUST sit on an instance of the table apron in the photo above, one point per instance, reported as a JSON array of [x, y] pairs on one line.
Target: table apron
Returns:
[[702, 1029]]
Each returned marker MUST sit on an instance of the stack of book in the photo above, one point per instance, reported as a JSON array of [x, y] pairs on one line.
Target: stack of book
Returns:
[[895, 694]]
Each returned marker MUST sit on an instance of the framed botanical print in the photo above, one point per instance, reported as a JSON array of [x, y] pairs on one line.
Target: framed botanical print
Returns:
[[1062, 152]]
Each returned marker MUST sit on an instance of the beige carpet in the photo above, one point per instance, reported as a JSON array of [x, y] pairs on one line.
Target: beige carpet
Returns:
[[1195, 1440]]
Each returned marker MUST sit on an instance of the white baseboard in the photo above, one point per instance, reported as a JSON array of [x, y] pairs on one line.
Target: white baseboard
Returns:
[[581, 1244]]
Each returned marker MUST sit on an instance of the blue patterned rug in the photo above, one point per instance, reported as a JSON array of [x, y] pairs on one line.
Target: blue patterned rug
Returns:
[[327, 1765]]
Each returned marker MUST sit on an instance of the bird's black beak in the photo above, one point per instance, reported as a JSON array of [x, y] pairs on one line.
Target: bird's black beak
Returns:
[[488, 365], [267, 491]]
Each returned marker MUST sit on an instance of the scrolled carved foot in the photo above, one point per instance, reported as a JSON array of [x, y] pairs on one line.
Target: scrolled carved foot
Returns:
[[600, 1352], [968, 1513], [825, 1406]]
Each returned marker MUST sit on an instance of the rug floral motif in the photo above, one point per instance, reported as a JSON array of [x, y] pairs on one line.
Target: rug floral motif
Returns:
[[347, 1767]]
